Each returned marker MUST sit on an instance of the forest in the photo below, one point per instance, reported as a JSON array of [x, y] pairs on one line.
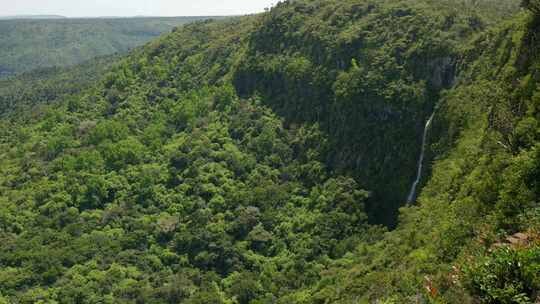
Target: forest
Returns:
[[49, 41], [267, 159]]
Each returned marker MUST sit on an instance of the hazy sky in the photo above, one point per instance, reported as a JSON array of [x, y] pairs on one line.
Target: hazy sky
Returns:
[[82, 8]]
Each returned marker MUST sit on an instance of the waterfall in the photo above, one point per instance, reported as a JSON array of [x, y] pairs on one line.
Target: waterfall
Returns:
[[412, 192]]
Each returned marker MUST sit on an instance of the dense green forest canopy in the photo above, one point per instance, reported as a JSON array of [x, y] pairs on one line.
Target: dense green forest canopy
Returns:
[[31, 43], [267, 159], [47, 85]]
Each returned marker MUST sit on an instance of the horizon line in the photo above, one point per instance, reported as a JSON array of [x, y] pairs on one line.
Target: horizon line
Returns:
[[52, 16]]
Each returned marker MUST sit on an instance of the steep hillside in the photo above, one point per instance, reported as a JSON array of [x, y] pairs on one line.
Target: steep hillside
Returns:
[[474, 237], [369, 73], [249, 160], [28, 91], [30, 44], [157, 189]]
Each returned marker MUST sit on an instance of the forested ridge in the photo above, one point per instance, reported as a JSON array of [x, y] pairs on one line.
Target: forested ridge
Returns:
[[29, 44], [268, 158], [46, 85]]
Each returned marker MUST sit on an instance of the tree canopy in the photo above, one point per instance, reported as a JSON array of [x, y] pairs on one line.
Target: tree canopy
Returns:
[[267, 158]]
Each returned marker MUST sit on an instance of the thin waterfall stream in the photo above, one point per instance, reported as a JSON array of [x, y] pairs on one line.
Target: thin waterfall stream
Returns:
[[412, 192]]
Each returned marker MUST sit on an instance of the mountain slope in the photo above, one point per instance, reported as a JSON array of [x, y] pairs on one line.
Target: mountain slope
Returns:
[[474, 235], [170, 195], [368, 85], [241, 161], [29, 44], [44, 86]]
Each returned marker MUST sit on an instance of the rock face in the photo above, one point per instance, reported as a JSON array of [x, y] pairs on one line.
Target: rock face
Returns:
[[443, 72]]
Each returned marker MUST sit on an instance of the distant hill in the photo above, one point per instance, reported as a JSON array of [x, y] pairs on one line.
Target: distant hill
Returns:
[[30, 42], [39, 17], [46, 85]]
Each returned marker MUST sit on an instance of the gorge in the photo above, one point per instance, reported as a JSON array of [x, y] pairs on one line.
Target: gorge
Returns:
[[266, 159]]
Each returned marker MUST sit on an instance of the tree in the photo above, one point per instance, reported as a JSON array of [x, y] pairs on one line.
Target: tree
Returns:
[[532, 5]]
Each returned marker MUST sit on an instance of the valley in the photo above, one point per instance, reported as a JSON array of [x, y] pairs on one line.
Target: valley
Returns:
[[324, 151]]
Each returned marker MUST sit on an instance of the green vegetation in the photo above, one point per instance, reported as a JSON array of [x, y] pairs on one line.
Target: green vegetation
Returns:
[[368, 73], [47, 85], [258, 160], [31, 44]]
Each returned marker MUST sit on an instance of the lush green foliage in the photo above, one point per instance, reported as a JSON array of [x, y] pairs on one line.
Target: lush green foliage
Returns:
[[483, 187], [159, 189], [47, 85], [507, 276], [368, 72], [232, 161], [532, 5], [30, 44]]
